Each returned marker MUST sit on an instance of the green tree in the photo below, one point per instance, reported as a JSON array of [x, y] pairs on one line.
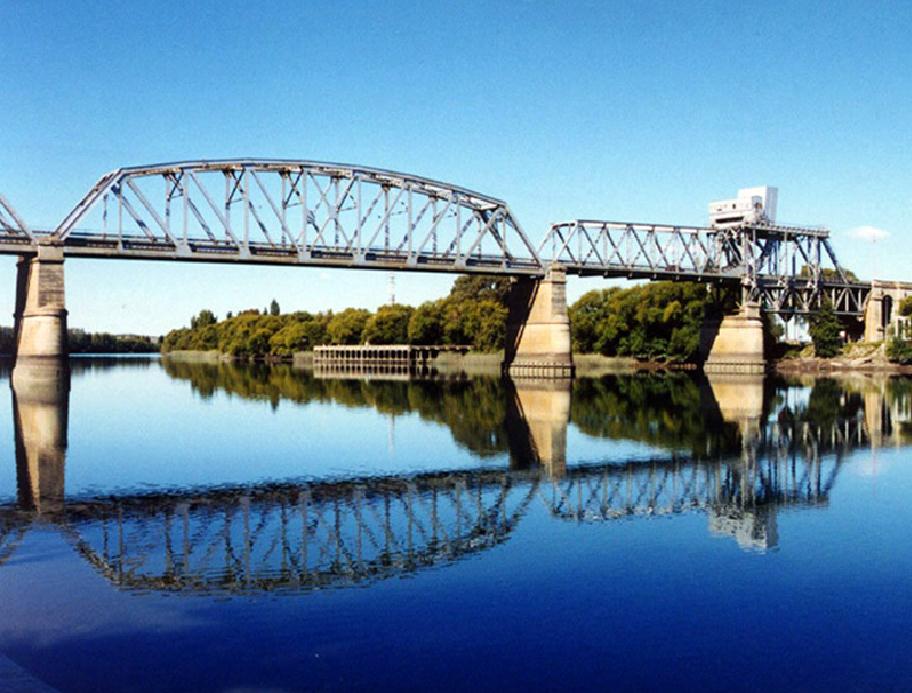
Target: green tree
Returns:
[[274, 308], [346, 327], [426, 324], [660, 320], [480, 287], [486, 322], [289, 339], [905, 307], [899, 351], [389, 325], [825, 331], [206, 317]]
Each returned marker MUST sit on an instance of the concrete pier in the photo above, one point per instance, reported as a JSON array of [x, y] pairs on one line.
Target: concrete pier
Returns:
[[41, 395], [538, 328], [735, 344], [41, 314]]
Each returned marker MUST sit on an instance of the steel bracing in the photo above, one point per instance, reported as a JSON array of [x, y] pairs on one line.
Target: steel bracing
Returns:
[[295, 212], [789, 270], [13, 230], [341, 215]]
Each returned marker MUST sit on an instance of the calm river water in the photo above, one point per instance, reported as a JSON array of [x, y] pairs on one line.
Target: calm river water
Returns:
[[200, 527]]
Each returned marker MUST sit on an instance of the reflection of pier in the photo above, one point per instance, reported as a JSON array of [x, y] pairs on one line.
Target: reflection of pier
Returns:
[[299, 536], [41, 393]]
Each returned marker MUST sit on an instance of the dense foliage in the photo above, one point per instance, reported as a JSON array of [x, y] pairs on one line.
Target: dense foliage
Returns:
[[79, 341], [825, 331], [473, 313], [899, 351], [82, 342], [905, 307], [660, 320]]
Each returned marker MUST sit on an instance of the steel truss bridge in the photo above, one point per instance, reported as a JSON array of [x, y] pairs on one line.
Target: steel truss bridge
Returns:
[[302, 536], [292, 212]]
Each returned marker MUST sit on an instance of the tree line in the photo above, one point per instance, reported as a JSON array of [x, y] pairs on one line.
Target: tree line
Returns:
[[658, 321], [474, 313], [82, 342]]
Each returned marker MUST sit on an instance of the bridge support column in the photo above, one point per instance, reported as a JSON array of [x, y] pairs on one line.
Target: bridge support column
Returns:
[[735, 344], [41, 394], [538, 328], [40, 305]]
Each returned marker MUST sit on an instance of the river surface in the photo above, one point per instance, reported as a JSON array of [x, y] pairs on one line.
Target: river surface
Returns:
[[177, 526]]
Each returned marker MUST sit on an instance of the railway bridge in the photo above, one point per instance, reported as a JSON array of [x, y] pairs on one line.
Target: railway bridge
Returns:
[[306, 213]]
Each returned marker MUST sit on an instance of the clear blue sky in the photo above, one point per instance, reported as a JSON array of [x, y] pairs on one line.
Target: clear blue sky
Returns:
[[629, 111]]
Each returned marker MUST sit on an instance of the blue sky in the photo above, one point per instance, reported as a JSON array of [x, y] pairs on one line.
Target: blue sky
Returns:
[[628, 111]]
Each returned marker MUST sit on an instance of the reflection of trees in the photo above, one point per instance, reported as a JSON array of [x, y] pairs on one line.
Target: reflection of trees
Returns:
[[474, 410], [828, 403], [668, 410], [672, 411]]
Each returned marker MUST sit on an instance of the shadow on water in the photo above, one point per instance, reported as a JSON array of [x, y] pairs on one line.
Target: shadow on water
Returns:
[[736, 450]]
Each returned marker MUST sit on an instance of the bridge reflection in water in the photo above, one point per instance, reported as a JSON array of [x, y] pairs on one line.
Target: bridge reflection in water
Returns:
[[299, 536]]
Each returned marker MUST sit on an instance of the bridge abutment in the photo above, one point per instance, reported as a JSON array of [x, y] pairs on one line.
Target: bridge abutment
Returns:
[[41, 314], [735, 343], [538, 328], [881, 312]]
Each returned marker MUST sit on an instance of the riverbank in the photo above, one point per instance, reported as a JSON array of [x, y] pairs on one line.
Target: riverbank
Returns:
[[471, 363], [859, 357], [870, 360]]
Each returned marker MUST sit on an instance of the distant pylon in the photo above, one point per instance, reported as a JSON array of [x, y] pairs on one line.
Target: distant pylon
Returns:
[[392, 289]]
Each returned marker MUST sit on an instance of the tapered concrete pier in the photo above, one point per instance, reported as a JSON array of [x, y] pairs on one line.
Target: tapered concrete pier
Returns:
[[538, 328], [41, 314], [735, 344]]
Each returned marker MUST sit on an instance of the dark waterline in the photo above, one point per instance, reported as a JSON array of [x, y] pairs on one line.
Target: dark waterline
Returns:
[[187, 526]]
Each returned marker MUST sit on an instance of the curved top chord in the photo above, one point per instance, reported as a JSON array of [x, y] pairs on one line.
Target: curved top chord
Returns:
[[299, 212]]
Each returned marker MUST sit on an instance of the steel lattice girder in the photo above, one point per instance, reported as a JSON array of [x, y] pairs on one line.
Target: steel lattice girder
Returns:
[[340, 215], [790, 270], [296, 212], [12, 227]]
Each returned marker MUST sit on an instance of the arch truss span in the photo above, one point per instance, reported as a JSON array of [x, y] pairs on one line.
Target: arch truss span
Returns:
[[13, 229], [788, 270], [296, 212]]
